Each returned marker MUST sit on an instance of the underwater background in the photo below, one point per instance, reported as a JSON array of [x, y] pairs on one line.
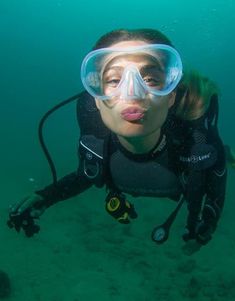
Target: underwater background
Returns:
[[81, 254]]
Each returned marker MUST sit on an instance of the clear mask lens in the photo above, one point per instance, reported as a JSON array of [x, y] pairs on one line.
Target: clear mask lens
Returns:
[[131, 73]]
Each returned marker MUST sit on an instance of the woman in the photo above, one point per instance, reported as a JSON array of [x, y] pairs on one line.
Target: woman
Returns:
[[146, 131]]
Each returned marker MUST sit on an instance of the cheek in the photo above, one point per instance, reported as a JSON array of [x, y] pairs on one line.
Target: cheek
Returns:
[[159, 113], [109, 117]]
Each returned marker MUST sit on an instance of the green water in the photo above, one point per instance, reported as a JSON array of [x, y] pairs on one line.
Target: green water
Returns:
[[80, 253]]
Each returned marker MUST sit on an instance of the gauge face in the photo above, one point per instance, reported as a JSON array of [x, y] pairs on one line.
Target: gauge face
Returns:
[[159, 234]]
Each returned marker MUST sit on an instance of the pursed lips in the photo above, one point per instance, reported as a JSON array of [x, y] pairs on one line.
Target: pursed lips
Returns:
[[133, 113]]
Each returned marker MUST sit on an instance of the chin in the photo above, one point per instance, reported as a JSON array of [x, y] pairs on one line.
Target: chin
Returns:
[[133, 131]]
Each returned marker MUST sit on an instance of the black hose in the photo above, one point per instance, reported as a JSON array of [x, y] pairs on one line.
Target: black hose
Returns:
[[41, 138], [161, 233]]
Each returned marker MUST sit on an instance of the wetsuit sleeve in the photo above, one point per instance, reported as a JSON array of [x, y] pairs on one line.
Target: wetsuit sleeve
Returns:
[[67, 187], [209, 183], [216, 178], [206, 168]]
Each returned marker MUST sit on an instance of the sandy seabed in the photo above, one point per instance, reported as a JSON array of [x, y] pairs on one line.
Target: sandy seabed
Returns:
[[82, 254]]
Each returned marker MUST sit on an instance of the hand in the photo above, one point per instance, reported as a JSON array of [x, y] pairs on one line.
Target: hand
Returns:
[[202, 229], [119, 208], [23, 213]]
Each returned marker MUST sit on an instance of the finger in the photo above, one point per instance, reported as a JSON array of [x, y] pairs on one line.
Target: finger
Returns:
[[15, 208], [203, 239], [27, 204]]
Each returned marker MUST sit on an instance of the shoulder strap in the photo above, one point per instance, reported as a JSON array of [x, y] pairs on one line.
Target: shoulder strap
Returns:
[[91, 158], [196, 138], [94, 139]]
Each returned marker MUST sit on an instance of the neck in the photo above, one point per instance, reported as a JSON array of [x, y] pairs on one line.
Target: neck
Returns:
[[140, 145]]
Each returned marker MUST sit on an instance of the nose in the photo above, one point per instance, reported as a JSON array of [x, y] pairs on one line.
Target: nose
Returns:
[[132, 86]]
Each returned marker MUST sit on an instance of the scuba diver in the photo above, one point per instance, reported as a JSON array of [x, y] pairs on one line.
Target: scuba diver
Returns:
[[147, 129]]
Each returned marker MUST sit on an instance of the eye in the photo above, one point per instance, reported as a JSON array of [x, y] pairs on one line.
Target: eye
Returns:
[[152, 81], [112, 82]]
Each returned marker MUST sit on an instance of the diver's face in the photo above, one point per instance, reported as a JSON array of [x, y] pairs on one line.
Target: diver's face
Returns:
[[137, 117]]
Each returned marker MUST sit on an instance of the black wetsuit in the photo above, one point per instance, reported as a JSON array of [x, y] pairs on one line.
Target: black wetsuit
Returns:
[[188, 159]]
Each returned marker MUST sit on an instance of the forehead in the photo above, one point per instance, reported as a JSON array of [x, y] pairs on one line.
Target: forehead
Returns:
[[125, 59], [125, 44], [124, 56]]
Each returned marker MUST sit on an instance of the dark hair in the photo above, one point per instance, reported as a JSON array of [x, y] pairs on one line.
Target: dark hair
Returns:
[[148, 35]]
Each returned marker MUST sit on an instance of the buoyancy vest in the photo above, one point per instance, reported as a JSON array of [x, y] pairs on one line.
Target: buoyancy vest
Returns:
[[188, 149]]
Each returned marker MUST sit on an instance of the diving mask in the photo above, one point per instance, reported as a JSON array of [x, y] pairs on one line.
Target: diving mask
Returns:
[[131, 72]]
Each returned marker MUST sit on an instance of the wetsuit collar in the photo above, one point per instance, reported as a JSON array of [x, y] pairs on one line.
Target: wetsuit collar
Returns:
[[153, 153]]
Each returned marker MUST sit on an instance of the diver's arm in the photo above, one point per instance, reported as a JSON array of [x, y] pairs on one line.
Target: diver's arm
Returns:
[[194, 193], [216, 178], [67, 187], [206, 195], [22, 215]]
